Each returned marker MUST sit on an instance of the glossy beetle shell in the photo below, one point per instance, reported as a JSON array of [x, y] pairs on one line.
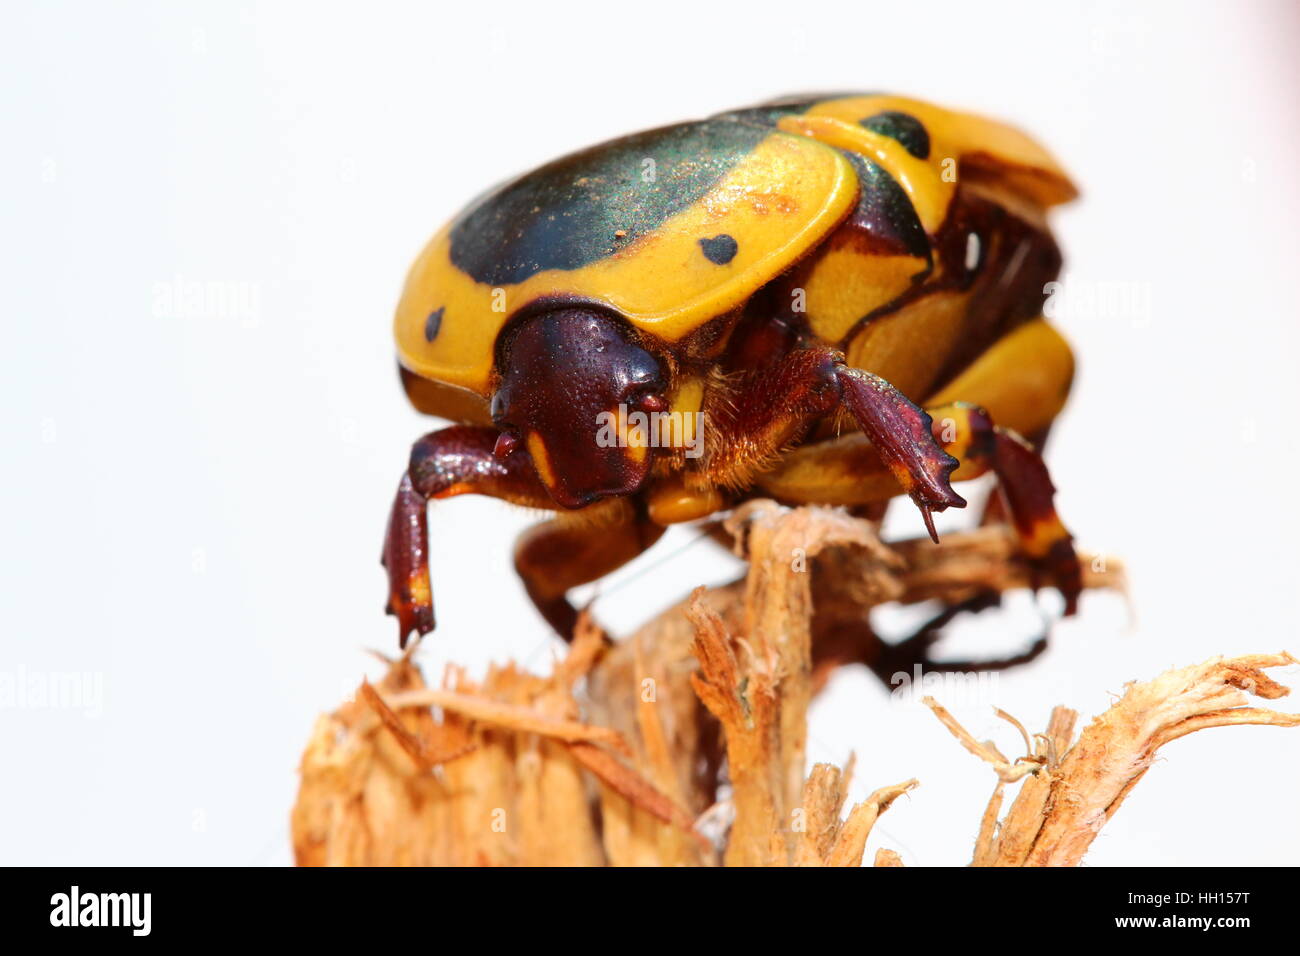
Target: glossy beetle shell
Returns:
[[674, 227]]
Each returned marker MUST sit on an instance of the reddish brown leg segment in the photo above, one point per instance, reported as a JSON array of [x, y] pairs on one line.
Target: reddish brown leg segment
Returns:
[[565, 552], [406, 558], [903, 435], [773, 407], [445, 463], [1026, 488]]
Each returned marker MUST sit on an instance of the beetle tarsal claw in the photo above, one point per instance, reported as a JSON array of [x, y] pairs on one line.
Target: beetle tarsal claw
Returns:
[[902, 434], [928, 517]]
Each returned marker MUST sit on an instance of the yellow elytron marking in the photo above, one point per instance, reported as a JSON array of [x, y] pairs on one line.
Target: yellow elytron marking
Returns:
[[908, 348], [976, 141], [459, 488], [1022, 380], [845, 284], [447, 401], [921, 179], [541, 460], [842, 285], [777, 203]]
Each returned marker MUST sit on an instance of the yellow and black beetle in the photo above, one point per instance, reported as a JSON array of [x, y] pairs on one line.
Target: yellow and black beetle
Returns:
[[758, 304]]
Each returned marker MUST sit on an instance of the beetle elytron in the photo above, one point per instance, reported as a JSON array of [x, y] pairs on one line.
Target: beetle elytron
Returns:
[[825, 299]]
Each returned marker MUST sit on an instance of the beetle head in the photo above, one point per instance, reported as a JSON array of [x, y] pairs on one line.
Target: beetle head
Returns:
[[569, 379]]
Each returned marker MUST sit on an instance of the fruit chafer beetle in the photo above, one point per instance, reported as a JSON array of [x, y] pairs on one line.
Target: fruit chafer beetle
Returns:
[[824, 299]]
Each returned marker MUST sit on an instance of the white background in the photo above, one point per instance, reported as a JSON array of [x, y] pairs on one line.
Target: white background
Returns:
[[195, 491]]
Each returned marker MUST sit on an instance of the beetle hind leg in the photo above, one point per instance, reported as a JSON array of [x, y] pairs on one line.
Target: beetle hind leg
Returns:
[[566, 552], [915, 650]]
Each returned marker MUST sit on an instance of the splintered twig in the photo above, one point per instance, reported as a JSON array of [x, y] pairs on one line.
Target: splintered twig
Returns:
[[628, 752], [1076, 789]]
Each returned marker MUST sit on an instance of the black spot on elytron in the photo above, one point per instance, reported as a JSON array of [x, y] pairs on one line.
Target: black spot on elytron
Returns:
[[884, 213], [563, 215], [432, 324], [904, 127], [720, 249]]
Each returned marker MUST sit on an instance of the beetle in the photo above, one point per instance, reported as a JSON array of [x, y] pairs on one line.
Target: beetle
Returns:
[[829, 299]]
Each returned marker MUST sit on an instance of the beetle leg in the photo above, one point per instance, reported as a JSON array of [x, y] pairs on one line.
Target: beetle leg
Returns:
[[1027, 491], [903, 436], [848, 471], [453, 461], [753, 424], [568, 551], [914, 650]]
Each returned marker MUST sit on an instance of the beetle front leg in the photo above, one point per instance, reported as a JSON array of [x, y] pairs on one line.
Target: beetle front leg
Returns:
[[903, 435], [776, 406], [453, 461], [848, 471]]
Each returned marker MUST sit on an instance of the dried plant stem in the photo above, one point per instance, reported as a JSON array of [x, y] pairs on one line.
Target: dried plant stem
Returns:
[[1074, 790], [619, 757]]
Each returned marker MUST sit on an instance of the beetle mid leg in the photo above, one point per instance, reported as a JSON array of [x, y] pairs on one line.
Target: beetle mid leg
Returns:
[[453, 461], [573, 549]]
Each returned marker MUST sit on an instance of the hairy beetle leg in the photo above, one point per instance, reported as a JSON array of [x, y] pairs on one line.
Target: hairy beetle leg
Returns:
[[778, 403], [453, 461]]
